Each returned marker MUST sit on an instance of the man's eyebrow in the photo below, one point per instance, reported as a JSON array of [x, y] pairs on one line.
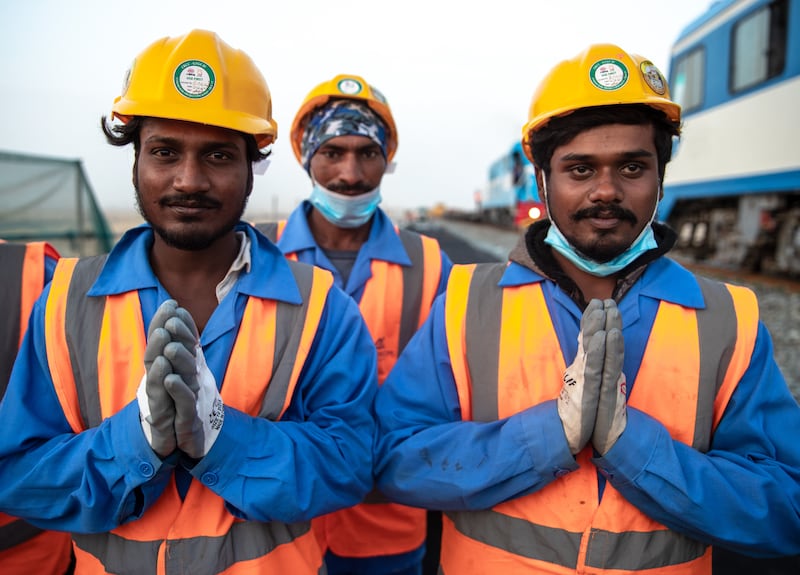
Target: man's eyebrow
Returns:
[[177, 142], [629, 155], [339, 147]]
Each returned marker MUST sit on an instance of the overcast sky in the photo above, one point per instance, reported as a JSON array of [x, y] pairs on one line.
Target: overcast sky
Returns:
[[458, 75]]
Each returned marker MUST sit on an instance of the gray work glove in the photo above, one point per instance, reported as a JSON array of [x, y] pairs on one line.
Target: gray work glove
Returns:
[[156, 407], [577, 402], [612, 407], [199, 412]]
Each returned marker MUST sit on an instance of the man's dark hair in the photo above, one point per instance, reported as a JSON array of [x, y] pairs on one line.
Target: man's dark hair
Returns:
[[118, 134], [563, 129]]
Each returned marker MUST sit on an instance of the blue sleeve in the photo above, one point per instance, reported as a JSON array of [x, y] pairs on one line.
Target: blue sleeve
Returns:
[[426, 456], [57, 479], [49, 268], [318, 457], [744, 493]]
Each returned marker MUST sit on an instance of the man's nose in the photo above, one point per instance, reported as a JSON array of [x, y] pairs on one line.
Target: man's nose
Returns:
[[191, 176], [607, 186], [350, 170]]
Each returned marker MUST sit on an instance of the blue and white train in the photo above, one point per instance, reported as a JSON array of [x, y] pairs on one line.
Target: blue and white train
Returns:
[[512, 197], [732, 190]]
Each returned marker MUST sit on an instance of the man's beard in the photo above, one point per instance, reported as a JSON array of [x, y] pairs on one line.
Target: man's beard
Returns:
[[191, 238], [598, 248]]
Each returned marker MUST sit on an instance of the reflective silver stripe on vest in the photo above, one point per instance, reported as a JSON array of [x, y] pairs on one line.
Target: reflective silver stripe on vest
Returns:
[[717, 332], [12, 260], [84, 316], [290, 319], [197, 555], [16, 532], [269, 229], [519, 537], [635, 551], [413, 277], [484, 311]]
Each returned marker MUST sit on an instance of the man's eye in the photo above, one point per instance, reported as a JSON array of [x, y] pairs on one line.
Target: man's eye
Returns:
[[580, 170], [632, 169]]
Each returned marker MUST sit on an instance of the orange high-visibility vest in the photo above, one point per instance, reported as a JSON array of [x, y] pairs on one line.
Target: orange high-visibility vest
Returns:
[[395, 303], [175, 536], [506, 357], [25, 549]]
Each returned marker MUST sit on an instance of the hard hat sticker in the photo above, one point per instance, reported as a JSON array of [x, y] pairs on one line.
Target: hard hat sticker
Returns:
[[652, 76], [349, 86], [378, 95], [608, 74], [194, 79]]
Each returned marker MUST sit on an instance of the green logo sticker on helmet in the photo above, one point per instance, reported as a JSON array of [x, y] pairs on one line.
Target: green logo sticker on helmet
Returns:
[[194, 79], [652, 76], [608, 74], [349, 86]]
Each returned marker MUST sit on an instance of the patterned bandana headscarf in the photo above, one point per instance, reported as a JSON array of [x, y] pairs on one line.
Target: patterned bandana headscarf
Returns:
[[341, 118]]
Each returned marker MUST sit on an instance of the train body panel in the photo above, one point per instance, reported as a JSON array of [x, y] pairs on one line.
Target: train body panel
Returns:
[[732, 190]]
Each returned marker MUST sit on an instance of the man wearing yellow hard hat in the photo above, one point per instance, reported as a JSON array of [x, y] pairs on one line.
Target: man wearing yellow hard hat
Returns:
[[592, 406], [344, 136], [190, 401]]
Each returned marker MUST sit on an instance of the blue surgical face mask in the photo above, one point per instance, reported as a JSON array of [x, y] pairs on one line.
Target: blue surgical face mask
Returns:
[[345, 211], [645, 241]]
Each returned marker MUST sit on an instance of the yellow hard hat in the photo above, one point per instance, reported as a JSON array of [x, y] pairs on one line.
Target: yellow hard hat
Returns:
[[601, 75], [347, 87], [198, 78]]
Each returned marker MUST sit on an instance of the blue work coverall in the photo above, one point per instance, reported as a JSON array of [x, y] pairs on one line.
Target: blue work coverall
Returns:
[[744, 493], [316, 459]]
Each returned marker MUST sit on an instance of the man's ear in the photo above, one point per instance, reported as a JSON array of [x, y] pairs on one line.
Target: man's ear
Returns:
[[539, 178], [135, 172]]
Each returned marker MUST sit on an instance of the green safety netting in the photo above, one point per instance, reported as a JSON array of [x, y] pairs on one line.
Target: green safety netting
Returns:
[[43, 198]]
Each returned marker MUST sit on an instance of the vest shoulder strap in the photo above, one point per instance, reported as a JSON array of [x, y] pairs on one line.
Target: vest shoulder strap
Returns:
[[728, 327], [296, 327], [73, 325], [472, 316], [420, 281], [269, 229], [12, 262]]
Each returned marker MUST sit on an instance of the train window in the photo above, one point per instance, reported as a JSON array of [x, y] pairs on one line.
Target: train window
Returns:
[[686, 86], [699, 234], [758, 46]]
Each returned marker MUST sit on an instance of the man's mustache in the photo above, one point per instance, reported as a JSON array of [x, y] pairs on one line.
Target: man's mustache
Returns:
[[350, 189], [605, 211], [189, 201]]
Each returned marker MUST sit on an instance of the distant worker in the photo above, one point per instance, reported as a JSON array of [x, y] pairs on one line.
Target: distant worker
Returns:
[[345, 138], [27, 268], [592, 406], [189, 402]]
